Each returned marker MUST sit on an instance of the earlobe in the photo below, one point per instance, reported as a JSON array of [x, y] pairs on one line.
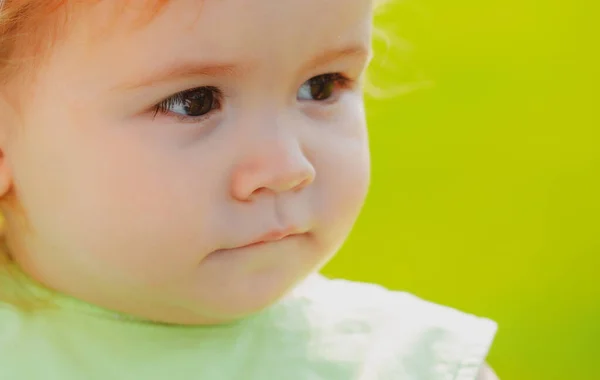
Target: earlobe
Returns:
[[7, 113], [5, 174]]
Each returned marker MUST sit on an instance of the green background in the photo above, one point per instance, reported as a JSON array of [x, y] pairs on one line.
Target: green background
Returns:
[[486, 174]]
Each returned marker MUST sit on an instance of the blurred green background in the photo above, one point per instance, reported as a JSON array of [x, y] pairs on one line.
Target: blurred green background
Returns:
[[486, 175]]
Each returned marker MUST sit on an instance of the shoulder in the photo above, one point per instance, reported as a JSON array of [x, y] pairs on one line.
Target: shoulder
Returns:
[[376, 304], [400, 333]]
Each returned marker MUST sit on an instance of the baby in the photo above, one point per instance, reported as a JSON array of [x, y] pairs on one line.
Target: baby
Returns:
[[173, 174]]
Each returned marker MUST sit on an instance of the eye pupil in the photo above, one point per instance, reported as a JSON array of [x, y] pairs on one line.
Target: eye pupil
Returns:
[[321, 88], [198, 102]]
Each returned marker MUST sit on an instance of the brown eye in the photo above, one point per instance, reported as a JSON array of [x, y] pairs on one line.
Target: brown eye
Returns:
[[198, 102], [319, 88], [191, 103]]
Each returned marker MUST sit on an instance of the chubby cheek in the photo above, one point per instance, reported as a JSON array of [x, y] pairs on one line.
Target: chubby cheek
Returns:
[[158, 212], [342, 182], [123, 207]]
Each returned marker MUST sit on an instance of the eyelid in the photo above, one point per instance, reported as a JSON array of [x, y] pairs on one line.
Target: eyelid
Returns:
[[192, 89], [352, 67], [342, 82]]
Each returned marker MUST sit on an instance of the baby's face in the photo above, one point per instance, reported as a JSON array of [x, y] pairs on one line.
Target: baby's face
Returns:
[[151, 158]]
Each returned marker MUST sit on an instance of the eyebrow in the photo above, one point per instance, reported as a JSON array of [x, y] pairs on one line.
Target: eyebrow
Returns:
[[189, 69], [355, 51]]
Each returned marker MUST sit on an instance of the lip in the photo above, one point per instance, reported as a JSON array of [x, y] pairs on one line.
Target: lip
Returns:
[[268, 238], [272, 236]]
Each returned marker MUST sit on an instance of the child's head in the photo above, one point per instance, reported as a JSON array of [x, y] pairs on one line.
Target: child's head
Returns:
[[136, 156]]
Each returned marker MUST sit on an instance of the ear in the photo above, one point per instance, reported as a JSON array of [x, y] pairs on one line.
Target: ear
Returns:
[[5, 175], [7, 126]]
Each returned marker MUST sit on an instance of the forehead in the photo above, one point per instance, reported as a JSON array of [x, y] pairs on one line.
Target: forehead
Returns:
[[222, 29], [224, 12]]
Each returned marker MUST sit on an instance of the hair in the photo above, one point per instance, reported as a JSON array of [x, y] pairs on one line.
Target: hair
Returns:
[[28, 30]]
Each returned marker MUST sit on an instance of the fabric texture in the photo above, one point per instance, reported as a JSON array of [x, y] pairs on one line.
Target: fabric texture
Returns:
[[325, 329]]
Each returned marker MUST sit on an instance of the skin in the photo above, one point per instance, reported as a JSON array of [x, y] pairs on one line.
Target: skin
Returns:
[[150, 214], [143, 212]]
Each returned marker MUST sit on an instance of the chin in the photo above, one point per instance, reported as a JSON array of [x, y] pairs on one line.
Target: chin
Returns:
[[220, 314], [203, 313], [242, 300], [253, 302]]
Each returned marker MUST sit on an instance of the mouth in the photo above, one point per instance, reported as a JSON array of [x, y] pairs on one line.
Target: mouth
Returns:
[[271, 237]]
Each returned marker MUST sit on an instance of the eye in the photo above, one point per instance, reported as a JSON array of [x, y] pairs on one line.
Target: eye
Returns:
[[194, 103], [322, 87]]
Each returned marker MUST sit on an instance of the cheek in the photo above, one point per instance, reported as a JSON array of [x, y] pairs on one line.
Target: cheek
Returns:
[[128, 205], [344, 187], [155, 202], [342, 182]]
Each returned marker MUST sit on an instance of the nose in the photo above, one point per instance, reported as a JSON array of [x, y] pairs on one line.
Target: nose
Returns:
[[275, 166]]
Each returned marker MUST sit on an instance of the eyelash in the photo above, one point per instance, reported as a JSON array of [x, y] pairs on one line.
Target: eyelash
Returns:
[[165, 106], [340, 81]]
